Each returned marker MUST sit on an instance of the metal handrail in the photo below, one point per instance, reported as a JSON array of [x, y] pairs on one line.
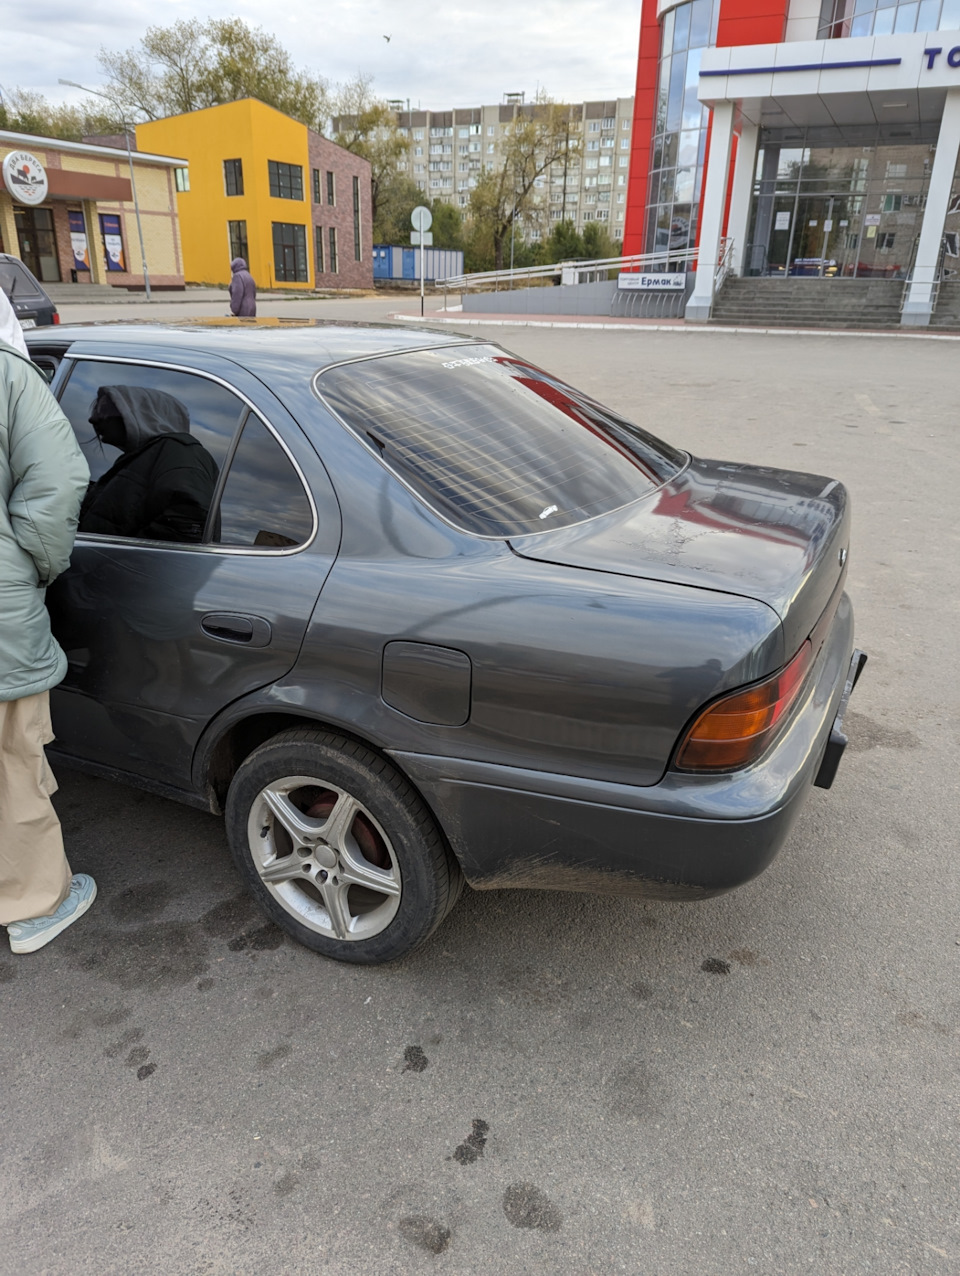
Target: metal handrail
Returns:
[[724, 264], [934, 283], [636, 261]]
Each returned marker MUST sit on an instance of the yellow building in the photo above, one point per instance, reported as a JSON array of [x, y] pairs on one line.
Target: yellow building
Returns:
[[67, 211], [264, 187]]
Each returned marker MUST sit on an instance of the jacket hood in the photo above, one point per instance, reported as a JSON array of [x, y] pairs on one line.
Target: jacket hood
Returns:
[[11, 333], [8, 347], [146, 414], [238, 263]]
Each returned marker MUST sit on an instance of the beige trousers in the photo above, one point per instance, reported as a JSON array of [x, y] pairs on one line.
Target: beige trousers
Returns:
[[34, 873]]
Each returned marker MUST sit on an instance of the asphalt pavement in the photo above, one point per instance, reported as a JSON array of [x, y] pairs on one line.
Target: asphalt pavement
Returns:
[[763, 1082]]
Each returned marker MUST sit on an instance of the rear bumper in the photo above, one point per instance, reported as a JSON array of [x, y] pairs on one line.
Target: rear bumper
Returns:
[[688, 836], [838, 741]]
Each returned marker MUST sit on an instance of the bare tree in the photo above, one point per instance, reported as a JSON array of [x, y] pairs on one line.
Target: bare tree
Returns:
[[539, 135]]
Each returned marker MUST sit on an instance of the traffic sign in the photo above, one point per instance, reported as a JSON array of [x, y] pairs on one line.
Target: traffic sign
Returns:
[[421, 218], [424, 237]]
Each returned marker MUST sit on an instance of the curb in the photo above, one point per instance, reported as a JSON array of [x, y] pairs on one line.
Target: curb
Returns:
[[679, 327]]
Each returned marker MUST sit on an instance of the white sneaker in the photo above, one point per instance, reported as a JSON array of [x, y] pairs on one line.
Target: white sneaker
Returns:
[[27, 936]]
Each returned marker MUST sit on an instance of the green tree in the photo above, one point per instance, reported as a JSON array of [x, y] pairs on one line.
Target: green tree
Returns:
[[597, 243], [447, 226], [398, 198], [367, 126], [192, 64], [538, 136], [26, 112], [564, 243]]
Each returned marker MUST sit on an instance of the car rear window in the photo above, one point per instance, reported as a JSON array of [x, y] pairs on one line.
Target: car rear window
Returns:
[[497, 446], [17, 284]]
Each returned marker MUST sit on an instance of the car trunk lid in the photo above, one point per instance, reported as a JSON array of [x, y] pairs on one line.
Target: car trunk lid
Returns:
[[773, 535]]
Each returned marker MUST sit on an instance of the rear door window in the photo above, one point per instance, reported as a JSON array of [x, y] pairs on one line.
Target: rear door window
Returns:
[[264, 504], [18, 284], [495, 445]]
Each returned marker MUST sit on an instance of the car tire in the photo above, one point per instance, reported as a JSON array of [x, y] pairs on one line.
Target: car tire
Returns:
[[337, 847]]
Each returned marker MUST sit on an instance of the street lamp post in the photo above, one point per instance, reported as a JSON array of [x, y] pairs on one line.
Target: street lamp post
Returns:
[[133, 181]]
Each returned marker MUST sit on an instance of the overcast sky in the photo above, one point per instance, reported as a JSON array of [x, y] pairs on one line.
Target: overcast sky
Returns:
[[441, 53]]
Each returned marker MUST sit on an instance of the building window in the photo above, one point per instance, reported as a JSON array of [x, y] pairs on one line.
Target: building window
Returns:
[[233, 176], [593, 126], [182, 178], [892, 203], [331, 189], [624, 143], [286, 180], [680, 128], [289, 253], [608, 122], [623, 162], [334, 265], [593, 144], [357, 253], [885, 242], [317, 193], [625, 125], [318, 248], [237, 232]]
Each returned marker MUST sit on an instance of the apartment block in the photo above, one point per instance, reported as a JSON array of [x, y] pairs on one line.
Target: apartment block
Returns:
[[449, 150]]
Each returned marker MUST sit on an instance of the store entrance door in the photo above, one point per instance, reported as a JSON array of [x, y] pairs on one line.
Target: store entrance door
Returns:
[[38, 243], [826, 236]]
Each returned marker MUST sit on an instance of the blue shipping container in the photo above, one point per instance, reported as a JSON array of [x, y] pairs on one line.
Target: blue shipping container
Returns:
[[404, 263]]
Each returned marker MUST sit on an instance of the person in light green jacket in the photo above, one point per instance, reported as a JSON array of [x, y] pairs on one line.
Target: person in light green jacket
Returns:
[[43, 477]]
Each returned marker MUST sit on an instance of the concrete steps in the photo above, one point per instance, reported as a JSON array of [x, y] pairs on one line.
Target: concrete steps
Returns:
[[80, 294], [947, 313], [810, 303]]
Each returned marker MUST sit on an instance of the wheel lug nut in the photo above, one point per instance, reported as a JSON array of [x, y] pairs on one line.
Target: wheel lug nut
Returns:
[[323, 875]]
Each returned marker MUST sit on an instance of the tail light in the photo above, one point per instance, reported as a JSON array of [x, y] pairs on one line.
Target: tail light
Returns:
[[734, 731], [56, 317]]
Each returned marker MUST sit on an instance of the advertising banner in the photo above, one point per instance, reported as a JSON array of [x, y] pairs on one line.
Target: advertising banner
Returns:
[[674, 281], [112, 242], [78, 239]]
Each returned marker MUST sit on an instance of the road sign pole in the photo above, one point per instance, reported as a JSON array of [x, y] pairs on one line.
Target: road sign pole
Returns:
[[421, 219]]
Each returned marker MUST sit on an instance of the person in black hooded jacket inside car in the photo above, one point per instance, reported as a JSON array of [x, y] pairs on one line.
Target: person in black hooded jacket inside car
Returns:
[[162, 486]]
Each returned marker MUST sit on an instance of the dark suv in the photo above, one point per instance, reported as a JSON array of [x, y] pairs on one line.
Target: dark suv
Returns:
[[30, 303]]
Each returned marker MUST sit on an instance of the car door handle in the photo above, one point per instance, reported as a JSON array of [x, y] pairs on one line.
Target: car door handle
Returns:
[[246, 631]]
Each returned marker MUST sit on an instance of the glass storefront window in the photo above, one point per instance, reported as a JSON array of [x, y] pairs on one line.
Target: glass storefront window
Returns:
[[840, 207], [843, 18], [680, 128]]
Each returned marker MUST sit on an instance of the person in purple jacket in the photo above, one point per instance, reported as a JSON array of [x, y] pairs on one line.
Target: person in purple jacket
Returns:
[[243, 290]]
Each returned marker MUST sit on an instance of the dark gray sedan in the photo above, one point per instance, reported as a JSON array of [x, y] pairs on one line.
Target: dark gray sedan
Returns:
[[409, 611]]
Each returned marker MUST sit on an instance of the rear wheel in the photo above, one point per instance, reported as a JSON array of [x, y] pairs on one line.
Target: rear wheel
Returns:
[[337, 847]]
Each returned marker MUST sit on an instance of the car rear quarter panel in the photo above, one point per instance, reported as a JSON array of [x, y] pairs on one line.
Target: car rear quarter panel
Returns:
[[572, 671]]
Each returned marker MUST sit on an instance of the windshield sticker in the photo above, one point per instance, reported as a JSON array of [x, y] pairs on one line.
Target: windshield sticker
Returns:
[[551, 509]]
